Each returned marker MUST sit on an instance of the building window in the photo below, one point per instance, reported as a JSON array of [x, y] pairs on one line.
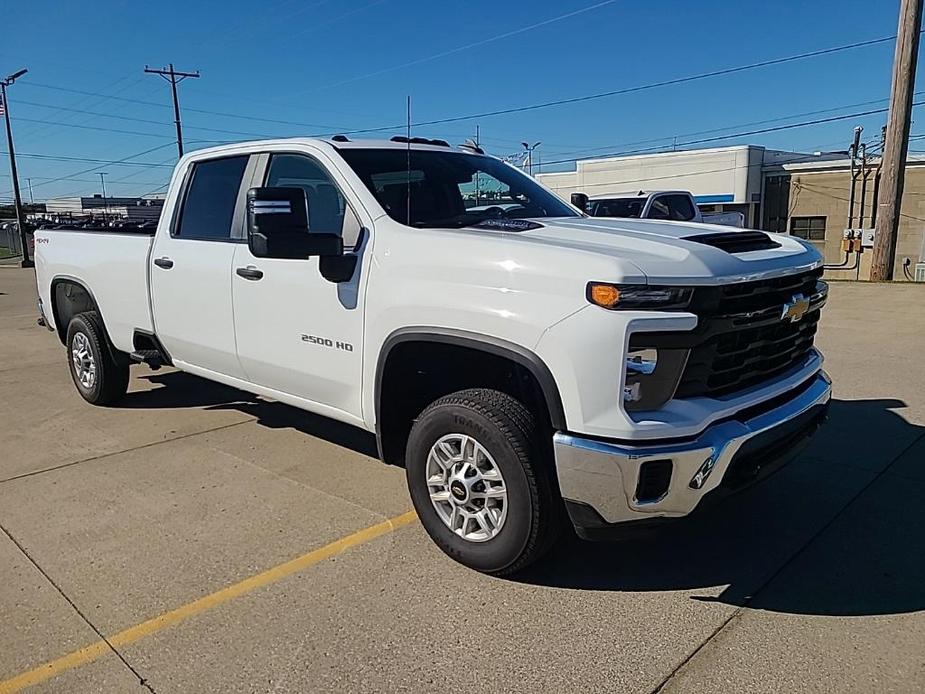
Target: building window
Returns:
[[809, 228]]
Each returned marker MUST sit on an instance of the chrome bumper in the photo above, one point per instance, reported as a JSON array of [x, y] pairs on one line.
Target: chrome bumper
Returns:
[[605, 475]]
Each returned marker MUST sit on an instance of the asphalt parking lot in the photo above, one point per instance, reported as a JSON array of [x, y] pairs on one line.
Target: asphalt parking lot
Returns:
[[198, 539]]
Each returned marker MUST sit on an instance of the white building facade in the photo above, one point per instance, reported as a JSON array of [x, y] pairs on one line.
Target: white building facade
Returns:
[[722, 179]]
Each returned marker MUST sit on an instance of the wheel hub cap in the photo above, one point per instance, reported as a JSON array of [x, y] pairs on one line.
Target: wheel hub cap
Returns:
[[466, 487], [82, 358]]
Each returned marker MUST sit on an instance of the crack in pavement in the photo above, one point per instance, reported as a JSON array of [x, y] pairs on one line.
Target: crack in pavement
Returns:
[[792, 558], [142, 681], [124, 450]]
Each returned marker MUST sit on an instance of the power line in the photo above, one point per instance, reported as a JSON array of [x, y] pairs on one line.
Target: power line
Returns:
[[650, 85], [802, 124], [475, 44], [749, 124], [89, 127], [125, 161], [186, 108], [54, 157], [531, 107]]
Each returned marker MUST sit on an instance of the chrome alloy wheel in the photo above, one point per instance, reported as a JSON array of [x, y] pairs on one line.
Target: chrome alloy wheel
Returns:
[[84, 363], [466, 487]]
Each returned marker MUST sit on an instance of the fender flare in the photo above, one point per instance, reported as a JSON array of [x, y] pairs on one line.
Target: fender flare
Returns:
[[52, 294], [486, 343]]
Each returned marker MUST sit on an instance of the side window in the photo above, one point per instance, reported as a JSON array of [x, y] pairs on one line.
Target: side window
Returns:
[[328, 211], [674, 207], [208, 207], [659, 209], [809, 228]]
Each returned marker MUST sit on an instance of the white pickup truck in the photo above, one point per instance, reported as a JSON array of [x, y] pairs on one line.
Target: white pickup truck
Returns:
[[521, 360], [673, 205]]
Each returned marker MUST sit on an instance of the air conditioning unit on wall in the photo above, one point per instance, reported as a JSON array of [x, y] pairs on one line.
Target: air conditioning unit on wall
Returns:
[[920, 272]]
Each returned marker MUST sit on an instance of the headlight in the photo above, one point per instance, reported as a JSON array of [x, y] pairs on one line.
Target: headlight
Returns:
[[637, 296]]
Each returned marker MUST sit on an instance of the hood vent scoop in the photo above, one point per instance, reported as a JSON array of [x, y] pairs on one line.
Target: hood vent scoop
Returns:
[[736, 241]]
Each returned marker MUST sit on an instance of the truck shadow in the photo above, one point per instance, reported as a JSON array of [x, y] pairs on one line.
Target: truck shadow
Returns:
[[182, 390], [837, 532]]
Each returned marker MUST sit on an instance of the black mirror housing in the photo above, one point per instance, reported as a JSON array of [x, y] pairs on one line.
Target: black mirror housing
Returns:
[[580, 200], [277, 226]]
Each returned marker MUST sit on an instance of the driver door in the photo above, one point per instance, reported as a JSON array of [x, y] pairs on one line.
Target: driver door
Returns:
[[298, 333]]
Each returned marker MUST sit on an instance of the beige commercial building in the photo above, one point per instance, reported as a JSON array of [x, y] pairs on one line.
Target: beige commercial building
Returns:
[[797, 193], [812, 200]]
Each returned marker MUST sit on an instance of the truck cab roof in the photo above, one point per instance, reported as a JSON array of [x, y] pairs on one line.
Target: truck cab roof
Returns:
[[341, 142], [635, 194]]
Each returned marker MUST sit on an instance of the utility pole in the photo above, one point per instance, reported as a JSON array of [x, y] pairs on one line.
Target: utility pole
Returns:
[[31, 196], [17, 198], [174, 77], [897, 140], [103, 186]]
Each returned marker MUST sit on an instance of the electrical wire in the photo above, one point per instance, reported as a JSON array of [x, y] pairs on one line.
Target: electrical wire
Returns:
[[521, 109], [459, 49], [747, 133]]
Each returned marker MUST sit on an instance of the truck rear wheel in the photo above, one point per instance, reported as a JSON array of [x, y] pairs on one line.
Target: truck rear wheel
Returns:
[[99, 371], [479, 483]]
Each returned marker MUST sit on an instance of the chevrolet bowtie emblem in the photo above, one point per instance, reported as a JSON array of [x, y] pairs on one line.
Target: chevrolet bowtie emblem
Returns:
[[795, 309]]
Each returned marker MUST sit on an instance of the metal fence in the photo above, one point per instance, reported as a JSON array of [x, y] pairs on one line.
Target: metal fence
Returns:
[[10, 244]]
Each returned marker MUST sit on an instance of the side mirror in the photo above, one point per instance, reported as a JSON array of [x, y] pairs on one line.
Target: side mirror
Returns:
[[277, 226], [580, 200]]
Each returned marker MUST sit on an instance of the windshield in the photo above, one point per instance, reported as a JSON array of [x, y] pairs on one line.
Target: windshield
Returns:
[[618, 207], [450, 189]]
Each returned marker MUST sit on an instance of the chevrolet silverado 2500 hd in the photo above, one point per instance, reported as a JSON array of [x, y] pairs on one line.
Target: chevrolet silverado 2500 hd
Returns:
[[516, 356]]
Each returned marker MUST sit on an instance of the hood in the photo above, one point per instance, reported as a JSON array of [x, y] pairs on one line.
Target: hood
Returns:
[[671, 252]]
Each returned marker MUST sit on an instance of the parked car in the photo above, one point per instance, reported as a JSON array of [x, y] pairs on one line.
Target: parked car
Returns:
[[676, 205], [517, 362]]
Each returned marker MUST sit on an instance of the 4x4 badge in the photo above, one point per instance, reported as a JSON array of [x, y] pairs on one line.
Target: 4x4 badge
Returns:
[[795, 309]]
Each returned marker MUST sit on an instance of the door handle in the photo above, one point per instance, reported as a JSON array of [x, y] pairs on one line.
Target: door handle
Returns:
[[164, 262], [249, 272]]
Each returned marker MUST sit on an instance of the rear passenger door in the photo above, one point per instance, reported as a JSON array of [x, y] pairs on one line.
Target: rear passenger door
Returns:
[[191, 266]]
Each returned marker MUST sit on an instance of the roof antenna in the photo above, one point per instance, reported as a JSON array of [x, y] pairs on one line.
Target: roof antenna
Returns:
[[408, 195]]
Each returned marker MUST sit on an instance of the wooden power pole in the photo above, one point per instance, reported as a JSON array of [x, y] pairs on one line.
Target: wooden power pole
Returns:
[[174, 77], [897, 140]]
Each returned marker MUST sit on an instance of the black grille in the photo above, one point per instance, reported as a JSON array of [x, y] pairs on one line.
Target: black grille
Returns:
[[746, 339], [742, 338], [736, 360], [736, 241]]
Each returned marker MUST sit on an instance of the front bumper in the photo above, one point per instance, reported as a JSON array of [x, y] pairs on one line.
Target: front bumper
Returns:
[[606, 482]]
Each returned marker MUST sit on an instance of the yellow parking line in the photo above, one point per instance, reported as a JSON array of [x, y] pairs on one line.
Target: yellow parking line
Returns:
[[94, 651]]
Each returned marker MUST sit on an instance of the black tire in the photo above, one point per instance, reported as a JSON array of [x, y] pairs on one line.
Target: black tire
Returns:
[[111, 376], [508, 431]]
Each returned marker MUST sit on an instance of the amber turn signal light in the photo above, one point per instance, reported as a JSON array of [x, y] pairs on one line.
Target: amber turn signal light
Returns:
[[605, 295]]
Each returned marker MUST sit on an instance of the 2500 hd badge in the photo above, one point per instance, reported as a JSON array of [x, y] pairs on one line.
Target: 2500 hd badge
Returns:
[[327, 342]]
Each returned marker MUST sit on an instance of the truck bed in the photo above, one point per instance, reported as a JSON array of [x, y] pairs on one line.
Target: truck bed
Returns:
[[112, 264]]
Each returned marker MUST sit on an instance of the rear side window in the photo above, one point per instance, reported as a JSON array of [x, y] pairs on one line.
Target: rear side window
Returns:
[[675, 207], [208, 208]]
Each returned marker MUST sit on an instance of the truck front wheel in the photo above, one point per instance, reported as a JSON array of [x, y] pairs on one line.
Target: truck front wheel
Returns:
[[99, 371], [479, 483]]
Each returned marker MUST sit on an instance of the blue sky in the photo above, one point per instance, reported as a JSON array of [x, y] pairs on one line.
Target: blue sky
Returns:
[[337, 65]]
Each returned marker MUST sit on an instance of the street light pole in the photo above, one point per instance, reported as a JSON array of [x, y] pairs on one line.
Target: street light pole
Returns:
[[17, 198], [529, 150]]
